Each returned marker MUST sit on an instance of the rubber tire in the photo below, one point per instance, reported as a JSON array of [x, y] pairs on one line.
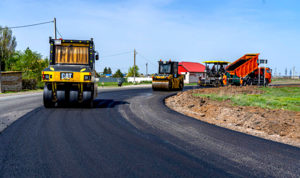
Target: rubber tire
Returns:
[[87, 99], [214, 84], [267, 83], [181, 85], [61, 96], [170, 86], [250, 82], [47, 98], [73, 97], [218, 83]]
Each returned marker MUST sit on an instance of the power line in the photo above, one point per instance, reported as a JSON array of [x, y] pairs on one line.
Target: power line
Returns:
[[146, 59], [59, 33], [23, 26]]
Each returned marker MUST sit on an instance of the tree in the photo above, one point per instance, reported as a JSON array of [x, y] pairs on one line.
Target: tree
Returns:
[[29, 62], [13, 61], [131, 71], [7, 46], [105, 71], [118, 74], [109, 71]]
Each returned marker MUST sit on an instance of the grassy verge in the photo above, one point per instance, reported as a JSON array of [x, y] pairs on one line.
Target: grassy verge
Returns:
[[190, 84], [285, 81], [115, 84], [273, 98]]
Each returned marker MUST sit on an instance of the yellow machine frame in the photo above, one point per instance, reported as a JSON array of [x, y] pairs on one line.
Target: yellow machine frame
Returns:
[[162, 82], [82, 86]]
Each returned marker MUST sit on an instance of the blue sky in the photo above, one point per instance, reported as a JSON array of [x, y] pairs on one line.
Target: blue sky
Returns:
[[180, 30]]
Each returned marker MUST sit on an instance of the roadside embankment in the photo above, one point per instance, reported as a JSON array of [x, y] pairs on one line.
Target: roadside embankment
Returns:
[[271, 113]]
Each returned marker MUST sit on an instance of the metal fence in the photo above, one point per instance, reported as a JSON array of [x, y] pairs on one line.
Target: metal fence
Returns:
[[139, 79], [104, 79]]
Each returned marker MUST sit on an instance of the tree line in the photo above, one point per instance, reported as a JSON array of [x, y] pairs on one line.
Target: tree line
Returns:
[[119, 74]]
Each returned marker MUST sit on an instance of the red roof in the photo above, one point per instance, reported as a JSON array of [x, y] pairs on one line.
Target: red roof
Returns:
[[191, 67]]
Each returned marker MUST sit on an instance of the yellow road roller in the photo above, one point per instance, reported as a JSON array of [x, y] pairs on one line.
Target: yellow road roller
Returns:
[[167, 77], [70, 77]]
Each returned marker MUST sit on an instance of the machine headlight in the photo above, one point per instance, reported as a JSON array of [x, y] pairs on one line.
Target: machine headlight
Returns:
[[46, 76], [87, 77]]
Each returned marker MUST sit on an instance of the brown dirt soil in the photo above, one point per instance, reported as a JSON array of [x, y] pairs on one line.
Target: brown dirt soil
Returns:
[[277, 125]]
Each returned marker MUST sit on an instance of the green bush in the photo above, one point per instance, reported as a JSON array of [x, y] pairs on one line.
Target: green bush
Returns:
[[29, 84], [40, 85]]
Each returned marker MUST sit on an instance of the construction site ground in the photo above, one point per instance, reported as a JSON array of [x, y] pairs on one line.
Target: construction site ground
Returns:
[[279, 125]]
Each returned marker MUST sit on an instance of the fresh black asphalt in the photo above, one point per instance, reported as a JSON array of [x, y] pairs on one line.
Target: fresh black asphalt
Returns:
[[131, 133]]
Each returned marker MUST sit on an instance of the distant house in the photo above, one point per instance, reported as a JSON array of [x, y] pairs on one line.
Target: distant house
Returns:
[[191, 70]]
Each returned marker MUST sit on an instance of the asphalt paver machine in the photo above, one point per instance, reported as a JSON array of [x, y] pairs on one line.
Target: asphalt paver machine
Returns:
[[214, 72]]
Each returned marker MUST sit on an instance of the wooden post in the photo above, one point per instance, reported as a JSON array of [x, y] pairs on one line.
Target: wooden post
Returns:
[[146, 69], [55, 36]]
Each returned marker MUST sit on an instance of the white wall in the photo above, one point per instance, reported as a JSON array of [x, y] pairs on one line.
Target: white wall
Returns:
[[139, 79], [192, 77]]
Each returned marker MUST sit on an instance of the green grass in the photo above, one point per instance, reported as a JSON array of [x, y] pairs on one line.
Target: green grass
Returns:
[[285, 81], [273, 98], [190, 84], [115, 84]]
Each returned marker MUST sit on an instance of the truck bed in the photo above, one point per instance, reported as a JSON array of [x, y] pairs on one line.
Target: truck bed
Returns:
[[244, 65]]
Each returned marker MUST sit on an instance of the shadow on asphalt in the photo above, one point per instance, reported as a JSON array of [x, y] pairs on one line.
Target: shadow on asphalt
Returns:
[[108, 103], [98, 103]]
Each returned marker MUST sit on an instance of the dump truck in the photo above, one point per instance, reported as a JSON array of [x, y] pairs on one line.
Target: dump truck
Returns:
[[167, 77], [246, 71], [214, 71], [70, 76], [256, 77]]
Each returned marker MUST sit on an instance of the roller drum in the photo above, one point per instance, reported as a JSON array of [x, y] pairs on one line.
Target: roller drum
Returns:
[[161, 85]]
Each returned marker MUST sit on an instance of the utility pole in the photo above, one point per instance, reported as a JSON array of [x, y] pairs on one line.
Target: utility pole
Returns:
[[294, 72], [134, 68], [147, 69], [55, 37], [258, 75], [265, 75]]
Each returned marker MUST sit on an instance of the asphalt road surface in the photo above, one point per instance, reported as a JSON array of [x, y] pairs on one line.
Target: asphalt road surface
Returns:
[[131, 133]]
